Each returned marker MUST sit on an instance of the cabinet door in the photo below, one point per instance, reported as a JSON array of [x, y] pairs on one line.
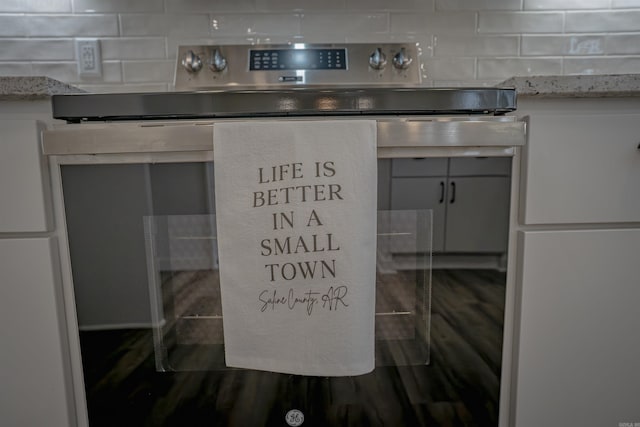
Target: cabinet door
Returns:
[[579, 352], [477, 215], [24, 184], [582, 168], [422, 193], [32, 359]]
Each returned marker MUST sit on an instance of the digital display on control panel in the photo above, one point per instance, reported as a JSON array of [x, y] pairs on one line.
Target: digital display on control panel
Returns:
[[297, 59]]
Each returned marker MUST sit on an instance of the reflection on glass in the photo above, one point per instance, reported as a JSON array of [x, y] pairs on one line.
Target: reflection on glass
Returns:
[[185, 291]]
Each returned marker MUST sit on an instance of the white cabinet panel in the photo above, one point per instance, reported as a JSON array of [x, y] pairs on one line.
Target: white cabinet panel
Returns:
[[32, 359], [583, 168], [24, 188], [579, 352], [477, 215]]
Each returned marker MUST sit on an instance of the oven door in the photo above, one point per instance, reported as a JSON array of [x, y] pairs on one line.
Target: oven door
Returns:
[[136, 222]]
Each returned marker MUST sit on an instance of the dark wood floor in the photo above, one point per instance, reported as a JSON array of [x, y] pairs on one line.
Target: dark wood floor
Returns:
[[459, 386]]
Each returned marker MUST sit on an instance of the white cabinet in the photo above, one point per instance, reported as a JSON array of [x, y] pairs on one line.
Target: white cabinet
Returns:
[[33, 362], [578, 357], [469, 198], [583, 167], [579, 352], [24, 184], [35, 382]]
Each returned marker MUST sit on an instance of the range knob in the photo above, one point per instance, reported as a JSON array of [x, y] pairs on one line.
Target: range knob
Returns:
[[192, 62], [217, 62], [402, 60], [378, 59]]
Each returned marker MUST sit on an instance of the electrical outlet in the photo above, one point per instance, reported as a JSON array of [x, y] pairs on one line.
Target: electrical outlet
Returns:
[[88, 57]]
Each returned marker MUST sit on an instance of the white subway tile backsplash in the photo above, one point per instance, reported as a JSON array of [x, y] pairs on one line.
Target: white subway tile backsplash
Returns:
[[520, 22], [118, 88], [463, 84], [463, 42], [450, 68], [622, 44], [15, 69], [120, 6], [478, 4], [45, 6], [37, 49], [409, 23], [344, 23], [424, 42], [148, 71], [386, 5], [625, 4], [434, 23], [333, 38], [63, 71], [476, 45], [72, 25], [111, 72], [158, 24], [503, 68], [618, 21], [562, 45], [13, 26], [299, 5], [185, 6], [565, 4], [174, 42], [609, 65], [68, 72], [133, 48], [235, 24]]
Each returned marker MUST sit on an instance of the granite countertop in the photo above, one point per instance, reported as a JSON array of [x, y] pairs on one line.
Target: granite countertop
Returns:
[[32, 88], [585, 86]]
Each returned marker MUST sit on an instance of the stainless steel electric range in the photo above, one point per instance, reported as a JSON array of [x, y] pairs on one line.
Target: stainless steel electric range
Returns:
[[134, 199]]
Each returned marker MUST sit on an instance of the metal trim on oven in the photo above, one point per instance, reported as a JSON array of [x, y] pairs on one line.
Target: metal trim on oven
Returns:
[[282, 103], [198, 136]]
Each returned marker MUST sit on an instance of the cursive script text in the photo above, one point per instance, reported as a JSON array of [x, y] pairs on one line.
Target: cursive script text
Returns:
[[331, 300]]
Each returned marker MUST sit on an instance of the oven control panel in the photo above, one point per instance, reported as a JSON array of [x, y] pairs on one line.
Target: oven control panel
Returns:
[[210, 67], [301, 59]]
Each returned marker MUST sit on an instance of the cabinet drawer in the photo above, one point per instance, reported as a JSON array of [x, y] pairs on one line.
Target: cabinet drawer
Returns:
[[419, 167], [480, 166], [582, 168], [24, 184]]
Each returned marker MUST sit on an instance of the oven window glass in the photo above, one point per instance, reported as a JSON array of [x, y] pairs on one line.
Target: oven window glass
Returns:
[[144, 263]]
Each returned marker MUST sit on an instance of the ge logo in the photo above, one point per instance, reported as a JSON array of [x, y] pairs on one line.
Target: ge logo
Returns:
[[294, 418]]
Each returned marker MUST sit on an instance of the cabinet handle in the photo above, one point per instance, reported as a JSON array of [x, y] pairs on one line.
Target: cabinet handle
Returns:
[[441, 192], [453, 193]]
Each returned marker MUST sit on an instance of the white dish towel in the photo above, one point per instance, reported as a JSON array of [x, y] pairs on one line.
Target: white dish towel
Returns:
[[296, 224]]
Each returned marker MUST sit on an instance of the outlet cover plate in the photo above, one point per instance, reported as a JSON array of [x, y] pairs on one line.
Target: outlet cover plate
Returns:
[[89, 58]]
